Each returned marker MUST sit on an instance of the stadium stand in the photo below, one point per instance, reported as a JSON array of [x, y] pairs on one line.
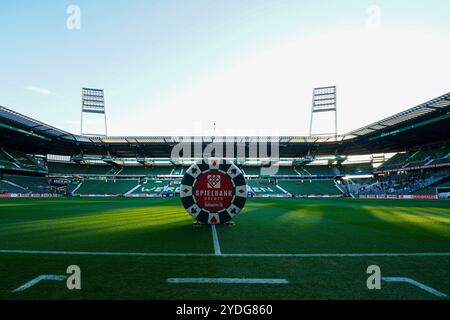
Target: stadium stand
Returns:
[[439, 156], [419, 136], [6, 187], [152, 187], [77, 169], [432, 189], [72, 186], [356, 168], [286, 171], [15, 160], [162, 170], [402, 183], [310, 187], [106, 186], [425, 156], [251, 170], [6, 162], [74, 169], [310, 170], [397, 161], [177, 171], [27, 184], [56, 168], [148, 171], [134, 171], [256, 171], [264, 187]]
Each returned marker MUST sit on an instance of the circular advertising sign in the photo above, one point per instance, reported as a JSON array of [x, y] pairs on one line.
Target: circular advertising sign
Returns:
[[213, 191]]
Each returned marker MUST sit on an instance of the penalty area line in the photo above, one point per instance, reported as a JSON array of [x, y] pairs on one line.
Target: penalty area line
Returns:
[[42, 277], [227, 255], [415, 283]]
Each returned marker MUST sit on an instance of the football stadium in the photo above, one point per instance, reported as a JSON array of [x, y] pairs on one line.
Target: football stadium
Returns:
[[250, 155], [309, 230]]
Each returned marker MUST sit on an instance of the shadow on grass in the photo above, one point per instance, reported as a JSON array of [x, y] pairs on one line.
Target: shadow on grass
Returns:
[[313, 225]]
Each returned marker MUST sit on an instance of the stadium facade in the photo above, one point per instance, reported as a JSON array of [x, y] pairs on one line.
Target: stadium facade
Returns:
[[37, 159]]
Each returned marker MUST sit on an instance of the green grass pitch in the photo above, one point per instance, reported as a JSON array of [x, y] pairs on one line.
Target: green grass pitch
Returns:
[[119, 228]]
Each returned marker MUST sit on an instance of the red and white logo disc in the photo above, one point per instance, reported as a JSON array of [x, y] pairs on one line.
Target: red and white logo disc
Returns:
[[213, 191]]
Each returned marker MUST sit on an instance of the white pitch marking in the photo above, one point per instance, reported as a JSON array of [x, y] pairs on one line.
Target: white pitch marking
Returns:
[[337, 255], [47, 277], [229, 255], [227, 280], [120, 254], [217, 251], [415, 283]]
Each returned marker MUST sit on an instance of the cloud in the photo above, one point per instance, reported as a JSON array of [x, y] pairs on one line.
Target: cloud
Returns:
[[42, 91], [377, 74]]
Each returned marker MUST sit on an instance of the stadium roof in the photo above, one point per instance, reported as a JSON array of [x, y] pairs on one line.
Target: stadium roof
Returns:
[[423, 124]]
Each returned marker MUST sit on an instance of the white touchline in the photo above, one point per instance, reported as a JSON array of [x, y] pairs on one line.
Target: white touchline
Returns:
[[216, 243], [227, 255], [47, 277], [227, 280], [415, 283]]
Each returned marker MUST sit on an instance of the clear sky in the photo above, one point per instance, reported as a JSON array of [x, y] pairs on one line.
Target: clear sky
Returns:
[[176, 67]]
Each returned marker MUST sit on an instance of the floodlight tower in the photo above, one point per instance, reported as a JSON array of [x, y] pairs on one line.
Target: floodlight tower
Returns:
[[93, 102], [324, 100]]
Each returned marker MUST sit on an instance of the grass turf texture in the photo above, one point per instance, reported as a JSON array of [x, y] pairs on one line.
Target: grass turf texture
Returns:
[[265, 226]]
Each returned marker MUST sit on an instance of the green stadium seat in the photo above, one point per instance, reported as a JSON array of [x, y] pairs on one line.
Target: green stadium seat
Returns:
[[310, 187], [432, 190], [7, 188], [75, 169], [356, 168], [36, 185], [106, 186], [59, 168], [260, 187], [418, 158], [316, 170], [18, 161], [251, 170]]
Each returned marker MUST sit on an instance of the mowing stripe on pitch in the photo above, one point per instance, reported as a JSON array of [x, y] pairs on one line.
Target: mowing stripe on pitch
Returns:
[[415, 283], [228, 255], [216, 243], [42, 277], [227, 280]]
